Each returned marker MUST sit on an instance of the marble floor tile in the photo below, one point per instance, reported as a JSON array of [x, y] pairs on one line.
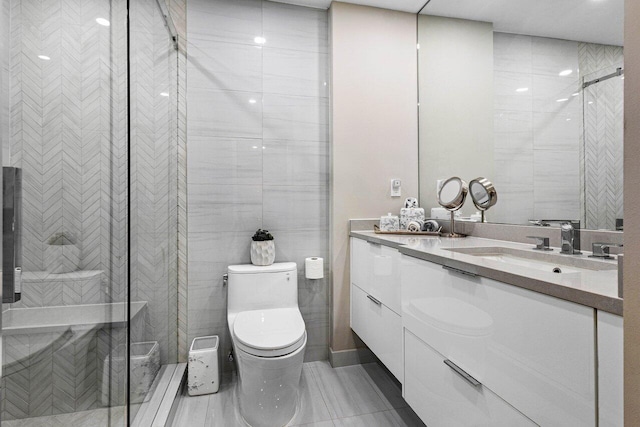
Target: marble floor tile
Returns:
[[222, 405], [391, 418], [312, 407], [346, 390], [192, 411], [358, 395], [387, 388]]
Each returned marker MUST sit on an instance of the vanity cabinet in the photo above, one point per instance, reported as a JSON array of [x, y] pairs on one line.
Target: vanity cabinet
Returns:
[[610, 370], [527, 350], [375, 302], [442, 397]]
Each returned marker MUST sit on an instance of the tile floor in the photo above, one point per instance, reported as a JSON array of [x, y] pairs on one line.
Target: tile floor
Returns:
[[358, 395]]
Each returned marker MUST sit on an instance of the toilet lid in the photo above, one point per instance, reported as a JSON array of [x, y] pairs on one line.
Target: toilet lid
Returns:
[[269, 333]]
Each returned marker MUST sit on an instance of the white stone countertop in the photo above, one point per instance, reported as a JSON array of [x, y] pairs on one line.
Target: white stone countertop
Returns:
[[592, 288]]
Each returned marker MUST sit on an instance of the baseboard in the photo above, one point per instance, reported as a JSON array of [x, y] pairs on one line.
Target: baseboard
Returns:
[[355, 356]]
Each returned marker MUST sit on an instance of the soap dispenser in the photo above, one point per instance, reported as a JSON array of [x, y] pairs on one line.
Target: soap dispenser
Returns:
[[389, 222]]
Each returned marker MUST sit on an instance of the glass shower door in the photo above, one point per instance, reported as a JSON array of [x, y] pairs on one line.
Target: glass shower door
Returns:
[[603, 148], [64, 129]]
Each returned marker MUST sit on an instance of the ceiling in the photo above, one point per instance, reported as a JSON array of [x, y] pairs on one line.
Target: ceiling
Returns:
[[595, 21], [412, 6]]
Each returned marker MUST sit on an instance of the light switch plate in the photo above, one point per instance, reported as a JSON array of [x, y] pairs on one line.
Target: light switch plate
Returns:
[[396, 188]]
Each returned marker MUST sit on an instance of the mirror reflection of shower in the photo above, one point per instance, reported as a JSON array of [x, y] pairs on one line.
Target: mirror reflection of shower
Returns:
[[603, 144]]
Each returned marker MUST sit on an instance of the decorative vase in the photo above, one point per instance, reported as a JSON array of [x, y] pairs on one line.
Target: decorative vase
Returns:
[[263, 252], [61, 258]]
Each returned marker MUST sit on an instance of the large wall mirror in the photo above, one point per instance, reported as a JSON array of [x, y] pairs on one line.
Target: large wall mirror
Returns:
[[530, 95]]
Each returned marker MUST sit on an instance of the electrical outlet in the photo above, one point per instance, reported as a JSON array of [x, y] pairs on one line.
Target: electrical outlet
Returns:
[[396, 188]]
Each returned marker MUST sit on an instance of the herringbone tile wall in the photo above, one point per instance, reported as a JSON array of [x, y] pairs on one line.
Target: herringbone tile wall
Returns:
[[68, 134], [603, 136], [68, 119], [154, 174]]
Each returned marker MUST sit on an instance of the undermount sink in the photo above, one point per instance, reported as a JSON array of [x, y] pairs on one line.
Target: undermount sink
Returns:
[[541, 261]]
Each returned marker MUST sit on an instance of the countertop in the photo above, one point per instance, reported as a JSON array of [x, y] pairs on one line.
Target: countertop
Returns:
[[597, 289]]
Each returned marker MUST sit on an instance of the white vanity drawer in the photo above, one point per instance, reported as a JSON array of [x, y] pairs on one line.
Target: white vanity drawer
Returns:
[[533, 350], [379, 327], [443, 398], [376, 270]]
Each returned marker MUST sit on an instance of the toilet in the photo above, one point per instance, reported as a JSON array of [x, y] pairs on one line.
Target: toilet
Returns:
[[269, 339]]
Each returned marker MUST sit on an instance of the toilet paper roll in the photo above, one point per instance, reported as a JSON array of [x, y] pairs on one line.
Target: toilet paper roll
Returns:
[[314, 268]]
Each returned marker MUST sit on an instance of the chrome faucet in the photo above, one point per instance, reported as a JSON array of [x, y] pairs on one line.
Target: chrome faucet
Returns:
[[569, 234], [601, 250], [570, 238]]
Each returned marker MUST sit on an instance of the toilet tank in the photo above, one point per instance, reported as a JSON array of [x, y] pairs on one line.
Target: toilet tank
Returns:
[[252, 287]]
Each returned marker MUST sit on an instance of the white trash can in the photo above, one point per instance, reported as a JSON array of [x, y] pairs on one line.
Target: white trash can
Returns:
[[204, 377]]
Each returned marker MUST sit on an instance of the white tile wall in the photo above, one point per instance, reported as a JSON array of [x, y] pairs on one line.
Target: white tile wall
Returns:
[[539, 140], [261, 164]]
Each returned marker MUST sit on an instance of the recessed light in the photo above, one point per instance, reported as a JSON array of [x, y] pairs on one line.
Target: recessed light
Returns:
[[562, 99], [568, 120], [260, 40], [522, 89], [575, 94], [254, 147], [103, 22], [164, 94], [252, 101], [44, 57], [565, 72], [590, 102]]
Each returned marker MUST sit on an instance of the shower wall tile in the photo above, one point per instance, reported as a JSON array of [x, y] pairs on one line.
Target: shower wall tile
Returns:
[[225, 161], [547, 90], [292, 27], [295, 208], [256, 165], [556, 131], [296, 163], [68, 121], [506, 97], [551, 56], [532, 134], [295, 72], [512, 53], [603, 135], [225, 114], [513, 131], [224, 208], [295, 118], [209, 66], [556, 180], [235, 21]]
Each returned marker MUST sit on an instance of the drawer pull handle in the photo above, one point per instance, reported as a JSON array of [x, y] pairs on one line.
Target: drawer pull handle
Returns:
[[457, 270], [458, 370], [375, 301]]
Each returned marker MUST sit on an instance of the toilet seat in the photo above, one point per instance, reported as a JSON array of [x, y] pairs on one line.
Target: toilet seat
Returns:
[[269, 333]]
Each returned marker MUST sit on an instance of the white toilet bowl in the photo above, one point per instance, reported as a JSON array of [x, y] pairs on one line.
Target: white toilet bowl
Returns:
[[269, 339]]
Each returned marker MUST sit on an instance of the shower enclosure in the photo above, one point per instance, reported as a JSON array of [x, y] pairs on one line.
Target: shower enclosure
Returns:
[[89, 120], [603, 151]]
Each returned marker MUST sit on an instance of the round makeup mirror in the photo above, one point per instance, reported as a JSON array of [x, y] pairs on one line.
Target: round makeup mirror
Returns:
[[483, 193], [451, 196]]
